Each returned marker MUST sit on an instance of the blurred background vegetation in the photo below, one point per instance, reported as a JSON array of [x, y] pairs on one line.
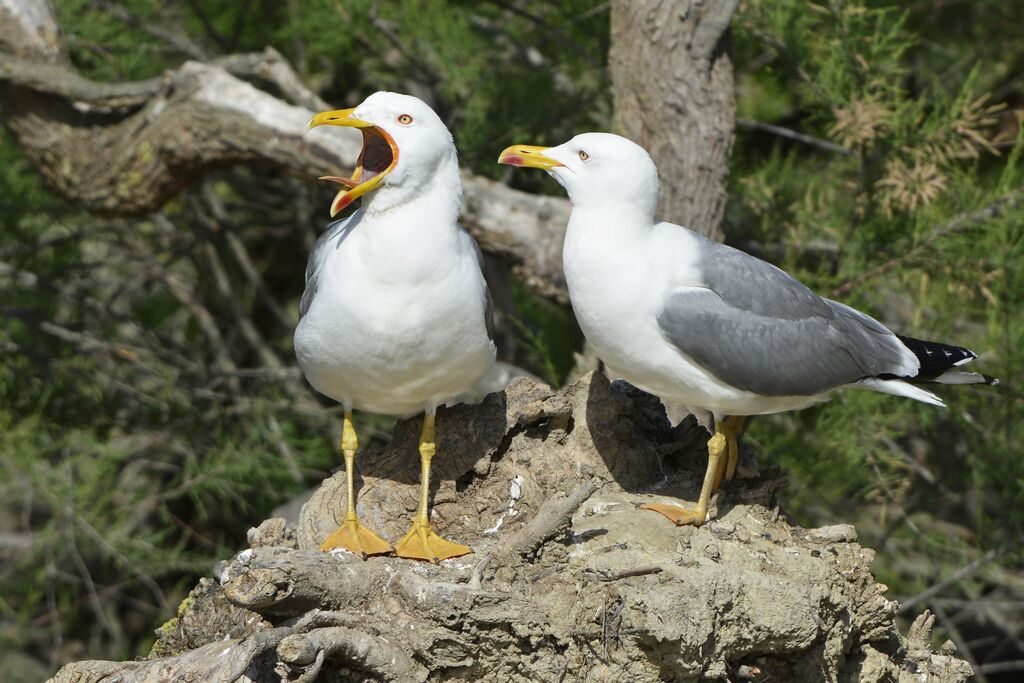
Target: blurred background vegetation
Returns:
[[150, 408]]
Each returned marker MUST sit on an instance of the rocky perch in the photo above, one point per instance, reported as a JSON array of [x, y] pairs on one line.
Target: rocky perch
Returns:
[[569, 581]]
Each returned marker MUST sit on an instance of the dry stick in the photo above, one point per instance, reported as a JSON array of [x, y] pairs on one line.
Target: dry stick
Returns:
[[245, 325], [282, 448], [245, 262], [956, 576], [299, 391], [793, 135], [130, 566], [28, 280], [220, 222], [177, 40], [635, 571], [1001, 667], [159, 348], [909, 460], [186, 297], [103, 592], [958, 224], [552, 516], [94, 599]]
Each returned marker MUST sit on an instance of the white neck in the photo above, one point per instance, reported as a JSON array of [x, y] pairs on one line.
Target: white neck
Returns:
[[611, 228], [603, 248], [438, 194]]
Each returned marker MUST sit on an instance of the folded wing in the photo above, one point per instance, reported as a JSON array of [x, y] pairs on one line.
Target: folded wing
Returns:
[[757, 328]]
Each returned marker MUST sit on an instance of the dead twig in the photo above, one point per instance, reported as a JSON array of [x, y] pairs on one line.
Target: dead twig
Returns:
[[626, 573], [958, 575], [793, 135], [552, 517]]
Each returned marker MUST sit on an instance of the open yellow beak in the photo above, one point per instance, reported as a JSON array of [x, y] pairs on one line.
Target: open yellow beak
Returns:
[[529, 156], [372, 135]]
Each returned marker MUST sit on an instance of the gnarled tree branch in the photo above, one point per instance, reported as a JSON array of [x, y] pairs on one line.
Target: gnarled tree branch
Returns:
[[127, 148]]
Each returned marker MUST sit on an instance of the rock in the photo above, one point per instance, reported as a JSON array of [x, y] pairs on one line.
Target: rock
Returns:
[[272, 532], [568, 579], [837, 533]]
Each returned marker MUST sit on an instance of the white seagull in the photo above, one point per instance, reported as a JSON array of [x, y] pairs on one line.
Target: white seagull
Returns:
[[395, 318], [702, 324]]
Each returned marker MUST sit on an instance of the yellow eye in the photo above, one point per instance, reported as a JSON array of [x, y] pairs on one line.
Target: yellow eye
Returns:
[[583, 155], [405, 119]]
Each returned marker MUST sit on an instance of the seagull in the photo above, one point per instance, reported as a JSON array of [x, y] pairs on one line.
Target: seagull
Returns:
[[701, 324], [395, 318]]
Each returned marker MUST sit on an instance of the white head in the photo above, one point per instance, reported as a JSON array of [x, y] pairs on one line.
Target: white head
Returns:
[[405, 147], [598, 170]]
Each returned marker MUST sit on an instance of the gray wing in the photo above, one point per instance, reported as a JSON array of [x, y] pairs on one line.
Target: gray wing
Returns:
[[488, 302], [757, 328], [316, 261]]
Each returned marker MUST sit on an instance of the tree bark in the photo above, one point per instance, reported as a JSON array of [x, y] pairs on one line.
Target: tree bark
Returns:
[[672, 82]]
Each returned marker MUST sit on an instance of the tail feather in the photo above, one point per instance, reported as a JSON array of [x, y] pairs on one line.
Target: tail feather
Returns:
[[898, 387], [961, 377]]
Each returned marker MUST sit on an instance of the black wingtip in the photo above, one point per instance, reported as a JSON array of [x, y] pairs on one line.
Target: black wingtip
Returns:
[[936, 358]]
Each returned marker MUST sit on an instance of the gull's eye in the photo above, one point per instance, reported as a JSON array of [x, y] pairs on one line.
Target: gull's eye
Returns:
[[405, 119], [583, 155]]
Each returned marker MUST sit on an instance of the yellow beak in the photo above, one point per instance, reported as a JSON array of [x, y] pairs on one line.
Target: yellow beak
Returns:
[[338, 117], [343, 117], [528, 156]]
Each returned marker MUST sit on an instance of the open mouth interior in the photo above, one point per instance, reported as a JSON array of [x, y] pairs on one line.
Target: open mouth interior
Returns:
[[377, 157], [376, 160]]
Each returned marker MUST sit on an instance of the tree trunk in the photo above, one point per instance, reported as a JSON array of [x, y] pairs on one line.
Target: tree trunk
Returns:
[[673, 88]]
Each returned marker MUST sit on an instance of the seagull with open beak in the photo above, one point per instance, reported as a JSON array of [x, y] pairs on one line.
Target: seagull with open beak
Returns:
[[395, 318]]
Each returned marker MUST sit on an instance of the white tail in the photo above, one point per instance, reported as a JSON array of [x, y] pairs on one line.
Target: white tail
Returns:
[[900, 388]]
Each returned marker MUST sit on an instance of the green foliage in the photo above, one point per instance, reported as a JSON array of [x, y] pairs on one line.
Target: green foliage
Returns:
[[124, 463], [910, 203]]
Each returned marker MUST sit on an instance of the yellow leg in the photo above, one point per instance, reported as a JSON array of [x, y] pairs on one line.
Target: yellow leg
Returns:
[[422, 543], [352, 535], [732, 427], [717, 448]]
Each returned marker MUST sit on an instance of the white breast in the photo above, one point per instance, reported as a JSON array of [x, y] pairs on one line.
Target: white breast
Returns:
[[397, 325], [618, 277]]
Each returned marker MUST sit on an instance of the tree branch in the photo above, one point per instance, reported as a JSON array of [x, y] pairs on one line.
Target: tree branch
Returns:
[[127, 148]]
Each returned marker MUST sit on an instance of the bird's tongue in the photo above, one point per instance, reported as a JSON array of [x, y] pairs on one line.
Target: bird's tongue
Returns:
[[376, 156]]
